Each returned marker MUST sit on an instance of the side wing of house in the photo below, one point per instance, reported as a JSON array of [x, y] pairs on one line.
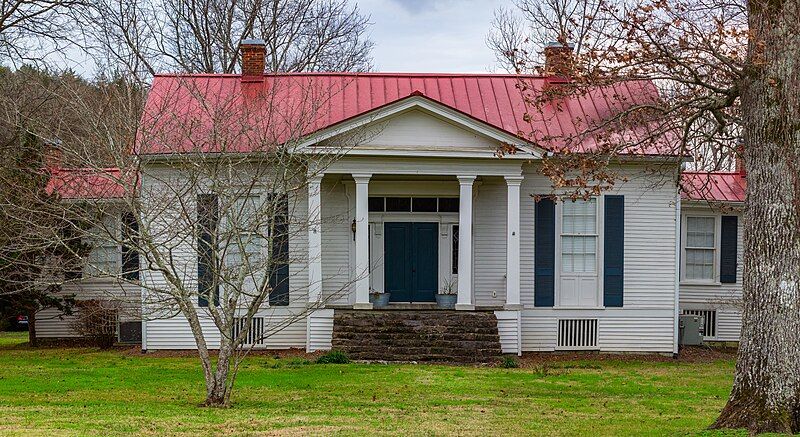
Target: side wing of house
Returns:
[[99, 280], [712, 250]]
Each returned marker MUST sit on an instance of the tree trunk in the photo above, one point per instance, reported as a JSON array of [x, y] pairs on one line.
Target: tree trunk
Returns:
[[766, 391], [32, 329], [217, 389]]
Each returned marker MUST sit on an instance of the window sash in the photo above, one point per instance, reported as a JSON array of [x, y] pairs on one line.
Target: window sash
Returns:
[[700, 232], [579, 238], [103, 259], [700, 248]]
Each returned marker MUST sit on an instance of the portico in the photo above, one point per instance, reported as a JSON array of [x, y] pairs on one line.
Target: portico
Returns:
[[424, 178]]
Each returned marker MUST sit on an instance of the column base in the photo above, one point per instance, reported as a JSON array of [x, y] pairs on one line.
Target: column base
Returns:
[[362, 306], [465, 307], [513, 307]]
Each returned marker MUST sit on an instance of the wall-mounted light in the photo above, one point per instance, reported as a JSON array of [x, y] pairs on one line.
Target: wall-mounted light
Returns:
[[353, 229]]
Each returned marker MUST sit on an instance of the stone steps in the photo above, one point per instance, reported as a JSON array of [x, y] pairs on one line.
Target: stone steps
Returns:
[[434, 335]]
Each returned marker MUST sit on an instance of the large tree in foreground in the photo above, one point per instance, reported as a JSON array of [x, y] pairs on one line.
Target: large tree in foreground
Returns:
[[728, 73]]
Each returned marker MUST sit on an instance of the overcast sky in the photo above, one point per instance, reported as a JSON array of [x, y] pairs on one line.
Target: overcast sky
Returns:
[[431, 35], [425, 36]]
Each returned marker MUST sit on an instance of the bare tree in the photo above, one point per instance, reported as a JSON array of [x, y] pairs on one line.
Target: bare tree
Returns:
[[713, 71], [40, 25], [519, 34], [151, 36], [214, 195]]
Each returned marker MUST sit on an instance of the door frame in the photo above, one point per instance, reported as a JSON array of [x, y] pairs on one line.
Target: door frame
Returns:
[[445, 222]]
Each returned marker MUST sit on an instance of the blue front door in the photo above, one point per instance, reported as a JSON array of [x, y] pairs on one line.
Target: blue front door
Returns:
[[411, 260]]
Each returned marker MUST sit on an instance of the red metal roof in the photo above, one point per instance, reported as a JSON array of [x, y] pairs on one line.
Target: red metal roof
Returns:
[[79, 183], [713, 186], [204, 112]]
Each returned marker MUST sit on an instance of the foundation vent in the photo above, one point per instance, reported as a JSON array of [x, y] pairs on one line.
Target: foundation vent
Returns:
[[577, 334], [255, 336]]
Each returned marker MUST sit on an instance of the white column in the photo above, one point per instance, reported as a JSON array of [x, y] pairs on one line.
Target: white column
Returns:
[[464, 301], [362, 242], [512, 243], [314, 241]]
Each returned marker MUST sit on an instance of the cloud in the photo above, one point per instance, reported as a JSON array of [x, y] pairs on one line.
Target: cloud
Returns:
[[431, 35]]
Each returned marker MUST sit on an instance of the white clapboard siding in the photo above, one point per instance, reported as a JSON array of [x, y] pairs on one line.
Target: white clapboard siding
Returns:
[[729, 324], [51, 323], [618, 330], [650, 268], [539, 331], [164, 329], [320, 330], [337, 238], [489, 241], [283, 330], [508, 326], [636, 333]]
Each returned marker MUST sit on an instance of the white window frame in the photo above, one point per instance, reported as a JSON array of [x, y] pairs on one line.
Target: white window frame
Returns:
[[714, 280], [111, 223], [599, 270], [266, 246]]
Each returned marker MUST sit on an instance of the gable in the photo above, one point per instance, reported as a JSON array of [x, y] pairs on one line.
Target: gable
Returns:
[[415, 129]]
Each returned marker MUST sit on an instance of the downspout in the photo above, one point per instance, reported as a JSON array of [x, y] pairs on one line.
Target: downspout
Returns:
[[144, 321], [677, 268]]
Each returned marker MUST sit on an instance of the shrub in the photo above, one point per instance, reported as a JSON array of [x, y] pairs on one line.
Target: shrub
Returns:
[[333, 357], [96, 321], [509, 362]]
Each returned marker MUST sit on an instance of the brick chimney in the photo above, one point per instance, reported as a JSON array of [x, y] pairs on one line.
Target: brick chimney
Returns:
[[558, 59], [252, 60], [53, 156], [739, 163]]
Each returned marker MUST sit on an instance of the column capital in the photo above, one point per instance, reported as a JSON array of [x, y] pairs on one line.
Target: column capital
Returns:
[[514, 180], [362, 178], [315, 179], [466, 179]]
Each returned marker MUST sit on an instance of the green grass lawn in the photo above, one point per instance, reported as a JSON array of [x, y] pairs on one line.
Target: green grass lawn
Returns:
[[85, 391]]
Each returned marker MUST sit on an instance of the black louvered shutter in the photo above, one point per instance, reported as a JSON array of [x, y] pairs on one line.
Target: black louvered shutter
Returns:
[[207, 219], [130, 256], [728, 249], [614, 251], [279, 259], [73, 269], [544, 253]]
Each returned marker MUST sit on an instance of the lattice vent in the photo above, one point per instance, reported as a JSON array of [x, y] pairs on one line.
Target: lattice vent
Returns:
[[577, 334]]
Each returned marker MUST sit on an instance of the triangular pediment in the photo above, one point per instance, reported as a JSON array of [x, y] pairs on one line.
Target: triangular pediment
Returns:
[[418, 125], [415, 129]]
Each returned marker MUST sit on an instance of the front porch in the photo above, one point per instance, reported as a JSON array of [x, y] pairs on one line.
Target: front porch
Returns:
[[413, 233]]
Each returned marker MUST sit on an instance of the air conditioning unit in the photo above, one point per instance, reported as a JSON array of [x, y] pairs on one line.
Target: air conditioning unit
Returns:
[[691, 330]]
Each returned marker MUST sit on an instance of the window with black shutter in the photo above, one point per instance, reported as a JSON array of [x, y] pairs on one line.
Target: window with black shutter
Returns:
[[279, 260], [207, 221], [130, 256]]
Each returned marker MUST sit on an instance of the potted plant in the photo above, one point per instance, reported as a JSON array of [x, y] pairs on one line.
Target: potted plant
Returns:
[[378, 299], [446, 296]]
